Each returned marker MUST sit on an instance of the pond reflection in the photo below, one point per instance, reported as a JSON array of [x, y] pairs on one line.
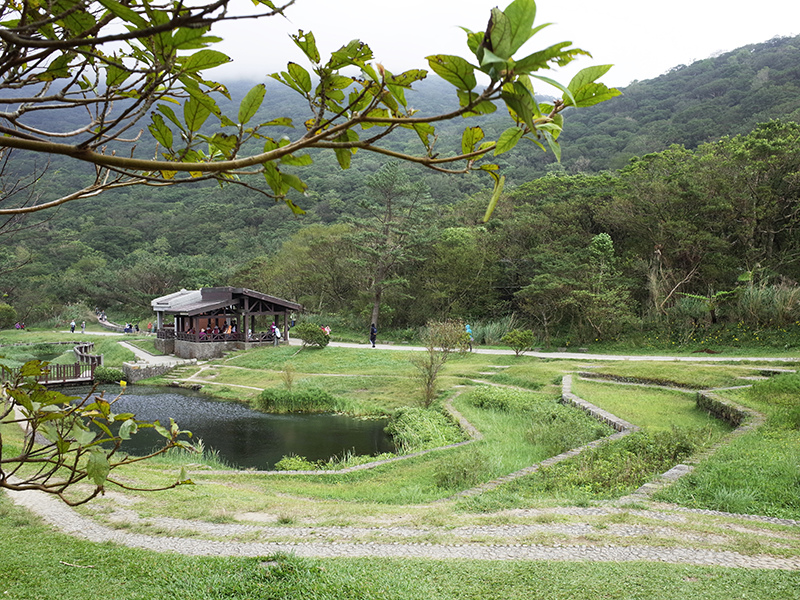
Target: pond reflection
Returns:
[[246, 438]]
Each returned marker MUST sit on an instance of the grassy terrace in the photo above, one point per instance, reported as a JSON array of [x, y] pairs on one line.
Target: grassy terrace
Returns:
[[756, 473]]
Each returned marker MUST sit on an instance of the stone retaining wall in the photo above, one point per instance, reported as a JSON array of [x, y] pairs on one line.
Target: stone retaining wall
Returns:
[[598, 413], [137, 371], [731, 413]]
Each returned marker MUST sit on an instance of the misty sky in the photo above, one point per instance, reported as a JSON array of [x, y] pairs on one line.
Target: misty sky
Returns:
[[642, 38]]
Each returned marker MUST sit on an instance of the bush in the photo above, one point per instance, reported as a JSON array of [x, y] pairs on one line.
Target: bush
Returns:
[[8, 316], [413, 429], [296, 463], [307, 400], [520, 340], [108, 375], [312, 335]]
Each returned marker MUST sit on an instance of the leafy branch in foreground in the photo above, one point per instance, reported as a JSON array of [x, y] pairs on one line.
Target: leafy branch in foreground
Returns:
[[68, 440], [121, 63]]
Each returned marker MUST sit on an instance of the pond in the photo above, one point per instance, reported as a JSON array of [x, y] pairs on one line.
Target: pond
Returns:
[[245, 438]]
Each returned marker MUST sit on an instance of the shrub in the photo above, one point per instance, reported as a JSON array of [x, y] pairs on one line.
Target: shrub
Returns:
[[312, 335], [520, 340], [307, 400], [108, 375], [502, 399], [296, 463], [414, 429], [8, 316]]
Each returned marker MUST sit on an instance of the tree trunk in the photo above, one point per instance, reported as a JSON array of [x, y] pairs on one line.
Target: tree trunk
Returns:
[[376, 304]]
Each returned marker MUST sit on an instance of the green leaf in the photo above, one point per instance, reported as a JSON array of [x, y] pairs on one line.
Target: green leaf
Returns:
[[274, 178], [195, 114], [297, 160], [205, 59], [279, 122], [567, 94], [128, 428], [162, 431], [83, 437], [521, 15], [586, 92], [508, 139], [499, 182], [170, 114], [97, 467], [300, 76], [295, 209], [160, 131], [344, 155], [520, 106], [454, 70], [75, 21], [587, 76], [124, 13], [553, 144], [116, 76], [470, 137], [186, 38], [251, 103], [307, 43], [490, 58], [295, 182], [58, 69], [543, 58]]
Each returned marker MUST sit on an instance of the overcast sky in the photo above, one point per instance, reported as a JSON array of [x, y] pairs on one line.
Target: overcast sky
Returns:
[[642, 38]]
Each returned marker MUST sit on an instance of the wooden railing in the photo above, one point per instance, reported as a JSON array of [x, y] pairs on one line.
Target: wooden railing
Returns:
[[75, 373], [82, 351], [257, 336]]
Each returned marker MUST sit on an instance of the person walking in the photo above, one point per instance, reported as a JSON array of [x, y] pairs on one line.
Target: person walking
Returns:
[[373, 334], [72, 326], [83, 327]]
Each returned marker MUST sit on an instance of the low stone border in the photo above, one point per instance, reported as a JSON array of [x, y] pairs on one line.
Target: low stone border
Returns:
[[598, 413]]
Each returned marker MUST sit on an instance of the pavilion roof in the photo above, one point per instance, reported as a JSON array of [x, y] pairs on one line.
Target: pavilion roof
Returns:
[[204, 300]]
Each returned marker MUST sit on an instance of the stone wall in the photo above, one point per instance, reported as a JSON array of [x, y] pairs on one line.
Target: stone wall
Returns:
[[164, 346], [203, 350], [598, 413], [137, 371]]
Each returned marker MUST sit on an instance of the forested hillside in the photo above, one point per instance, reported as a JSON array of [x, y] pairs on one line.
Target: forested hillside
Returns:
[[676, 204]]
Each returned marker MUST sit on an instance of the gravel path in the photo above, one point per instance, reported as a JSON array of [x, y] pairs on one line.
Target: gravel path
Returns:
[[479, 542]]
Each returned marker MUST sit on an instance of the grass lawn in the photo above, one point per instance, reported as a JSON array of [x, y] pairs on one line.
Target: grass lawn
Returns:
[[646, 407]]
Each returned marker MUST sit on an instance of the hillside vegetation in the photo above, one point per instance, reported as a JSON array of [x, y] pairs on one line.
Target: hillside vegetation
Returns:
[[672, 218]]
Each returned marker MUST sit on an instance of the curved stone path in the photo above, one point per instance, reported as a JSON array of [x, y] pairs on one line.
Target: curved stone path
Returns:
[[477, 542]]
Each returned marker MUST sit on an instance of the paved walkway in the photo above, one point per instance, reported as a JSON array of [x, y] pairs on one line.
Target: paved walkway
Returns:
[[155, 359], [580, 355]]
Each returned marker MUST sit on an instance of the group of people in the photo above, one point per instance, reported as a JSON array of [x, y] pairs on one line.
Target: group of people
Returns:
[[20, 325], [72, 326]]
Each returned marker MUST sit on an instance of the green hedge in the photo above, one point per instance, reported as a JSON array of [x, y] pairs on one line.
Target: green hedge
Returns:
[[279, 400]]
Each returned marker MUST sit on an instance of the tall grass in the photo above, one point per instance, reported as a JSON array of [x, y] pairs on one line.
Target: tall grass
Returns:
[[490, 333]]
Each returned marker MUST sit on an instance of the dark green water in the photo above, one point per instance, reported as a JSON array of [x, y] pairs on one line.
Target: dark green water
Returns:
[[245, 438]]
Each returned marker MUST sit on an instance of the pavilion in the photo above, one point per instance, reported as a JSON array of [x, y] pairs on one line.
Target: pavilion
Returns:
[[208, 322]]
